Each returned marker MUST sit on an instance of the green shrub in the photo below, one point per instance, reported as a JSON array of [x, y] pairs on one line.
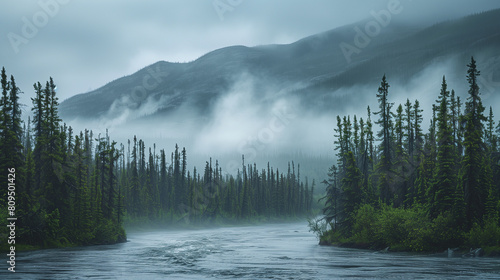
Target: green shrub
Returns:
[[108, 233], [483, 236], [333, 237], [410, 230], [402, 229], [445, 233], [52, 224], [389, 227], [417, 228], [318, 226], [363, 229]]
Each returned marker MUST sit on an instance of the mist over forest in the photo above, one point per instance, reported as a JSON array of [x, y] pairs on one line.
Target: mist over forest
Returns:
[[260, 120], [281, 101], [254, 139]]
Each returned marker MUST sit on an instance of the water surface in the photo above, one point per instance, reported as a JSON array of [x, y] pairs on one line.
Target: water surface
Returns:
[[274, 251]]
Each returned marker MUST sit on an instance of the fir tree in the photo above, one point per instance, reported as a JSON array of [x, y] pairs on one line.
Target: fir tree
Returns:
[[472, 177], [385, 122], [385, 148], [351, 186], [417, 128], [444, 183]]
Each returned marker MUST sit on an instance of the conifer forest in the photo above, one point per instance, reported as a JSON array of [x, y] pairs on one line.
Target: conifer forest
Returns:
[[396, 186], [77, 188], [232, 139]]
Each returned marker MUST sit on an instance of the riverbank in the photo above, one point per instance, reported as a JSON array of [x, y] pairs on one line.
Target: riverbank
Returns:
[[103, 236], [26, 247], [488, 251], [408, 230]]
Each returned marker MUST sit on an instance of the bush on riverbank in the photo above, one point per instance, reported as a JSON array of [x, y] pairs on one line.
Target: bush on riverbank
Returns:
[[411, 229]]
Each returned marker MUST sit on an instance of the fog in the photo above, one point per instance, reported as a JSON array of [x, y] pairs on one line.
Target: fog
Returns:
[[265, 123], [85, 44], [250, 119], [255, 118]]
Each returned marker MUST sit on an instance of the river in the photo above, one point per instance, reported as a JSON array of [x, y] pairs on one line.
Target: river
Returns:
[[271, 251]]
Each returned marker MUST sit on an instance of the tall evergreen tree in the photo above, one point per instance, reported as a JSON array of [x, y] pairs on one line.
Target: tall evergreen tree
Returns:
[[370, 140], [417, 128], [409, 133], [444, 183], [332, 196], [489, 133], [6, 134], [385, 122], [385, 148], [352, 190], [472, 176]]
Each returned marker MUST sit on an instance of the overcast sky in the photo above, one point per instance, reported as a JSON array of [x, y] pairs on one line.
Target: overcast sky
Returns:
[[85, 44]]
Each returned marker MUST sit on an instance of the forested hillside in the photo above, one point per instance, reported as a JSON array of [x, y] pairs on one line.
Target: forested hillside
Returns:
[[315, 69], [77, 188], [396, 186]]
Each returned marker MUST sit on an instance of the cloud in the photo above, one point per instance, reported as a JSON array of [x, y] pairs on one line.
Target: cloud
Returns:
[[266, 123], [89, 43]]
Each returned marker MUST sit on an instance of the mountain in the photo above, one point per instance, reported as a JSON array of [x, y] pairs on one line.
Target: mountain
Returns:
[[312, 69]]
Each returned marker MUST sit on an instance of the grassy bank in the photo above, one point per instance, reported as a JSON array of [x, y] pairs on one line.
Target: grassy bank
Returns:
[[410, 230]]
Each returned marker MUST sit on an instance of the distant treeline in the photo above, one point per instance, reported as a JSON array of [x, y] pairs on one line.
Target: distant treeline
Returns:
[[78, 188], [412, 190], [156, 189]]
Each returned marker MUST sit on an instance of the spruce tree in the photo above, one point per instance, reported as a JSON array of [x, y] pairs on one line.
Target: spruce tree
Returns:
[[340, 145], [5, 130], [385, 122], [352, 192], [444, 183], [15, 127], [401, 156], [370, 140], [163, 188], [355, 137], [385, 148], [472, 176], [332, 196], [134, 187], [409, 133], [491, 137], [417, 128]]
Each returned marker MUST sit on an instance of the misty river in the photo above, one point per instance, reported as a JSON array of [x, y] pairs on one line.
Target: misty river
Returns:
[[271, 251]]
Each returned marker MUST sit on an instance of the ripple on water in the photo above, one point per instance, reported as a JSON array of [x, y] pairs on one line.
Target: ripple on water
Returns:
[[250, 252], [183, 253]]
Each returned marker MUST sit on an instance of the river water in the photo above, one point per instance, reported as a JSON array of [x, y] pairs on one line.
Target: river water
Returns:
[[272, 251]]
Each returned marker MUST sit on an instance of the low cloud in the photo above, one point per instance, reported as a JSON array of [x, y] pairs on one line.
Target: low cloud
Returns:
[[259, 121]]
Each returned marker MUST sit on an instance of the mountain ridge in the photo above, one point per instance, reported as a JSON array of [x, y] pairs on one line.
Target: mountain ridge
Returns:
[[314, 64]]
